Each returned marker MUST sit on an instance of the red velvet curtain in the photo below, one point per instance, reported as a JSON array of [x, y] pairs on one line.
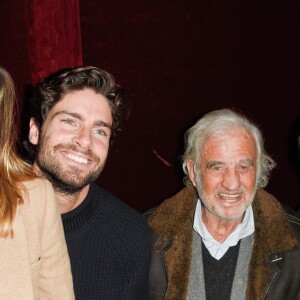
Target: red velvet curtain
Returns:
[[180, 59], [54, 37], [177, 60]]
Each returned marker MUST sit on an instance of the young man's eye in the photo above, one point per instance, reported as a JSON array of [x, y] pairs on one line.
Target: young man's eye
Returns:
[[68, 121], [100, 132]]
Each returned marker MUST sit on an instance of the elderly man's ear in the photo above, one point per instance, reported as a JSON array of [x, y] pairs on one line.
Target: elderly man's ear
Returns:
[[33, 132], [191, 169]]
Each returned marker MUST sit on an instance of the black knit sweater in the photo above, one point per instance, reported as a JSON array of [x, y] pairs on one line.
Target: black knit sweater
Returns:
[[109, 248]]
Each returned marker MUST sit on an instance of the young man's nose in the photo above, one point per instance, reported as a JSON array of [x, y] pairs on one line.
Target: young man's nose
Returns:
[[83, 138]]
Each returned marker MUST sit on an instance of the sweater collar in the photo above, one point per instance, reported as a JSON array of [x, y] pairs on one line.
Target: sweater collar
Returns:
[[82, 213]]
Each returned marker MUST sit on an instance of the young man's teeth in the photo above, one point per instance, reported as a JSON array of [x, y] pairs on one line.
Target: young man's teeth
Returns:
[[78, 159]]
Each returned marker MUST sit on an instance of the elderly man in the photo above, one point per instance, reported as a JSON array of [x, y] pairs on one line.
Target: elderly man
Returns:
[[223, 236]]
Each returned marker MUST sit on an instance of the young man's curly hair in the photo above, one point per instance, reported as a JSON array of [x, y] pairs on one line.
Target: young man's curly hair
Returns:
[[51, 90]]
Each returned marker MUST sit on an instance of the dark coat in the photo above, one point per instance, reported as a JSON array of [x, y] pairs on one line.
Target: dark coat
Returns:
[[274, 270]]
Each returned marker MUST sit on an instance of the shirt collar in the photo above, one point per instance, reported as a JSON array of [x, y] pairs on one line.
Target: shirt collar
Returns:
[[216, 249]]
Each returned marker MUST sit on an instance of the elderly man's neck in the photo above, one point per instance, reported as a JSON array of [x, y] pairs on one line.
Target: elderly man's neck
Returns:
[[218, 228]]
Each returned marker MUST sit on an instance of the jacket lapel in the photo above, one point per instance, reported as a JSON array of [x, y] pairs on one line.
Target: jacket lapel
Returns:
[[273, 236], [173, 220]]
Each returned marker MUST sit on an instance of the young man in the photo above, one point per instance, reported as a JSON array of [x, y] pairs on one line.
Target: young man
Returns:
[[75, 115], [224, 237]]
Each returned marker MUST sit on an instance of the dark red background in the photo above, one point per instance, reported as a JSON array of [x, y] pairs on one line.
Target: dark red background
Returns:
[[177, 60]]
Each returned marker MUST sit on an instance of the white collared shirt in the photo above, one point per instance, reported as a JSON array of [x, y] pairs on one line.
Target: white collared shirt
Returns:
[[216, 249]]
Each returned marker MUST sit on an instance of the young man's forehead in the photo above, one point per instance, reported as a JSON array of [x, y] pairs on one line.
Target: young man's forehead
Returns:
[[83, 105]]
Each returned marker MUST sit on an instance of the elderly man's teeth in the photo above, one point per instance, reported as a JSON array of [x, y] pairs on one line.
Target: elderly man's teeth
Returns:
[[230, 196]]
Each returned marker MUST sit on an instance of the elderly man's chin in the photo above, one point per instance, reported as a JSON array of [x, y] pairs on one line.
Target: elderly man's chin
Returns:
[[228, 213], [232, 215]]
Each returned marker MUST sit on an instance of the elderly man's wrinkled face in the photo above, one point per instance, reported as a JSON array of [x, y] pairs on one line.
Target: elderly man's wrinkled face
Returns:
[[227, 180]]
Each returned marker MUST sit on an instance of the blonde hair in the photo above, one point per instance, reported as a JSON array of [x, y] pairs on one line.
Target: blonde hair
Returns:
[[13, 170]]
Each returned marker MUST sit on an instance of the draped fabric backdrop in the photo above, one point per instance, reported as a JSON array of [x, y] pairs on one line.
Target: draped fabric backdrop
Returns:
[[177, 60], [54, 36]]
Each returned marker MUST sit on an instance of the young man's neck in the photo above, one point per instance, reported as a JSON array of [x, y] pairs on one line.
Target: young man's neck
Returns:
[[67, 203]]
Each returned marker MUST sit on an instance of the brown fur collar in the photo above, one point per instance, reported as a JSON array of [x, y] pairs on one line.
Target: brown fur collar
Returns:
[[273, 235], [173, 220]]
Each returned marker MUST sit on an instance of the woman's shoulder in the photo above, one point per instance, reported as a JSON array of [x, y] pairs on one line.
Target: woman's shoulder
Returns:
[[37, 192], [36, 183]]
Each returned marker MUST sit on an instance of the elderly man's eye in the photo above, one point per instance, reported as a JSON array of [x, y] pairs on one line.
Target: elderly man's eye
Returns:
[[217, 169], [243, 168]]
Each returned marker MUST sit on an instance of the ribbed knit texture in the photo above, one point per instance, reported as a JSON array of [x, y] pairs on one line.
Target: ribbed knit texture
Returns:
[[109, 246], [218, 274]]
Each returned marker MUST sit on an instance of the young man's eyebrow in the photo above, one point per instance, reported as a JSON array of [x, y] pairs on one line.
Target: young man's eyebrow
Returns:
[[65, 112], [102, 124], [79, 117]]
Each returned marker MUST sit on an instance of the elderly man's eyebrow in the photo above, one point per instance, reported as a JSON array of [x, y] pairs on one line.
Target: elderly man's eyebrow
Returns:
[[212, 163], [248, 161], [80, 117]]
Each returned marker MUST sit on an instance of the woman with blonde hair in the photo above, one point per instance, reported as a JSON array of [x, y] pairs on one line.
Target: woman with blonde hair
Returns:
[[34, 261]]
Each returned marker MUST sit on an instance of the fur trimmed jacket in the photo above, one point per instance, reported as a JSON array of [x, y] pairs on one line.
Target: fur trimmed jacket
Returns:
[[274, 270]]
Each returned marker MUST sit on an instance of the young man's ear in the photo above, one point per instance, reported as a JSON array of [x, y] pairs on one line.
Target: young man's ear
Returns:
[[33, 132], [191, 170]]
